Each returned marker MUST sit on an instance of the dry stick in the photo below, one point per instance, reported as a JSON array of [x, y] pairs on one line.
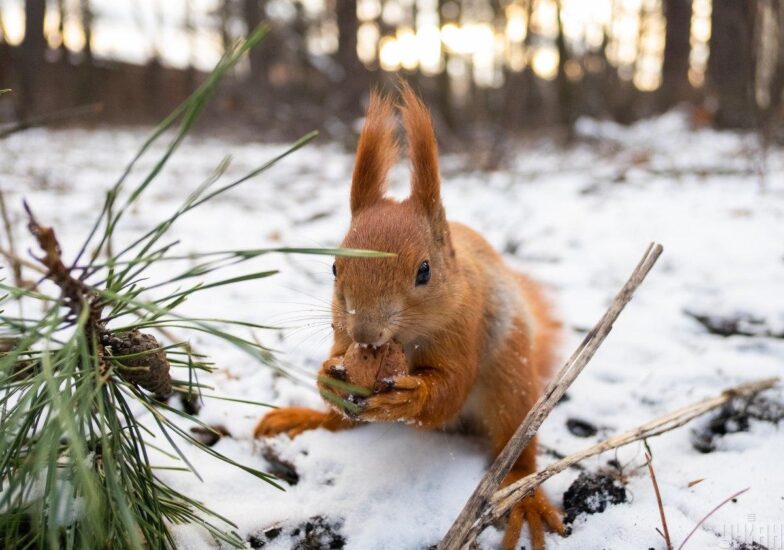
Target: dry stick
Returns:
[[666, 534], [16, 265], [709, 514], [14, 259], [456, 536], [506, 498]]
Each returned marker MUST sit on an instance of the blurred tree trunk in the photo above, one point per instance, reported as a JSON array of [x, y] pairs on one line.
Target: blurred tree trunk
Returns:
[[31, 55], [567, 98], [731, 62], [87, 28], [523, 101], [771, 117], [675, 85], [86, 90], [296, 42], [355, 78], [224, 18], [777, 82], [5, 56], [446, 105], [251, 11], [61, 30], [189, 28], [532, 101]]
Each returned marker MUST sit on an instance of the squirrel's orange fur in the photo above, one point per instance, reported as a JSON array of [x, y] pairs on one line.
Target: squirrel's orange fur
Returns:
[[479, 337]]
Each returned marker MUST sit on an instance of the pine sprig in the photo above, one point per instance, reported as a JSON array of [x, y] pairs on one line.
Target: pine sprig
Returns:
[[76, 423]]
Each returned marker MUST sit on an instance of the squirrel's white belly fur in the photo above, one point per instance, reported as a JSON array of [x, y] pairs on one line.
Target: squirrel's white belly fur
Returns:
[[509, 313]]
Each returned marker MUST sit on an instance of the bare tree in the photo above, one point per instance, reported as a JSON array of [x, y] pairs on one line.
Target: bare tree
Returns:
[[251, 12], [777, 82], [223, 13], [61, 30], [86, 87], [6, 61], [446, 107], [675, 66], [355, 77], [31, 55], [731, 62], [567, 99], [189, 29], [86, 13]]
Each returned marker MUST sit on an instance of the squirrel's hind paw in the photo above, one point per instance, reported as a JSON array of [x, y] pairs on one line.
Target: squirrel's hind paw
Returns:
[[538, 513]]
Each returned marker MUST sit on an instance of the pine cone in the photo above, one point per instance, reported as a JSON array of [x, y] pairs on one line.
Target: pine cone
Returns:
[[155, 378]]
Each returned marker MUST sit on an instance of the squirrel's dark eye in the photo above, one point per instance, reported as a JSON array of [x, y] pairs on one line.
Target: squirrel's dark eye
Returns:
[[423, 274], [334, 269]]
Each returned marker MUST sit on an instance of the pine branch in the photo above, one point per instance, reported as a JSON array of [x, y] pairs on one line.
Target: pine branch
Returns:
[[73, 380], [75, 292], [70, 379]]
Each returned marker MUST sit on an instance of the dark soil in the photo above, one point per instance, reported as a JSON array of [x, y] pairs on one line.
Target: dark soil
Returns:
[[209, 436], [581, 428], [748, 546], [280, 468], [317, 533], [591, 494], [734, 417], [740, 324]]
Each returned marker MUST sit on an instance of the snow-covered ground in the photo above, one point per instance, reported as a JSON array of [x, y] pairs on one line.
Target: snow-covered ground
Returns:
[[578, 220]]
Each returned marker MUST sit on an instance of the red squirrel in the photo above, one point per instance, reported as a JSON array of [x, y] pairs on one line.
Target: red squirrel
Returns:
[[479, 337]]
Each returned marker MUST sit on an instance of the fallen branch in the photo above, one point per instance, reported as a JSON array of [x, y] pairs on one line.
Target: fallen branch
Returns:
[[457, 535], [507, 497]]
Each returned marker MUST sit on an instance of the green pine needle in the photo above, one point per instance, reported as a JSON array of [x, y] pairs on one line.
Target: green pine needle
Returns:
[[75, 465]]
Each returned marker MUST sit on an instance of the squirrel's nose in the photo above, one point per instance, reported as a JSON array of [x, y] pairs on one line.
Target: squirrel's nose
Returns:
[[369, 334]]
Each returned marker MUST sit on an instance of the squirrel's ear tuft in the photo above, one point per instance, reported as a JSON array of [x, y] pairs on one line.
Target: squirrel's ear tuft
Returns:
[[423, 150], [376, 153]]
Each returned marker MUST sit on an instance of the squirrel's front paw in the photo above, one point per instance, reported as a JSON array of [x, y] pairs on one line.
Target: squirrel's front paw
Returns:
[[292, 421], [402, 399]]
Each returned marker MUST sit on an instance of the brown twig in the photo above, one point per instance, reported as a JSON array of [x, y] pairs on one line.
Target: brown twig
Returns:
[[709, 514], [666, 533], [11, 256], [76, 294], [458, 533], [13, 259], [502, 501]]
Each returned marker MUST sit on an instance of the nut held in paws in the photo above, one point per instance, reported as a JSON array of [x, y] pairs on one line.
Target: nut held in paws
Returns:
[[368, 367]]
